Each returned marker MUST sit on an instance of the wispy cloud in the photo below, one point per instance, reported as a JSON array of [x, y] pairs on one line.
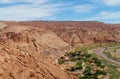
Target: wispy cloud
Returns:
[[58, 10], [105, 16], [24, 12], [84, 8], [29, 11], [26, 1], [112, 2], [108, 2]]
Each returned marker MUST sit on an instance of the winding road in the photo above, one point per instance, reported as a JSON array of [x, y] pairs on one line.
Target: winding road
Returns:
[[99, 52]]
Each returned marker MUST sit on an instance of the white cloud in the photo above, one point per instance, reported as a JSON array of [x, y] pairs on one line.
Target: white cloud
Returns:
[[108, 2], [112, 2], [24, 12], [17, 1], [84, 8], [105, 15], [30, 11]]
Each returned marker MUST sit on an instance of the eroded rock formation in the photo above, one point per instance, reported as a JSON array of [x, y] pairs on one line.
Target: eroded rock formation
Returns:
[[27, 49], [22, 53]]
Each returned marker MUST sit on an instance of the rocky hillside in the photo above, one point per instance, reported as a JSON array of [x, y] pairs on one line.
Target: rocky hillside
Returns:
[[27, 49], [15, 64], [25, 53], [79, 32]]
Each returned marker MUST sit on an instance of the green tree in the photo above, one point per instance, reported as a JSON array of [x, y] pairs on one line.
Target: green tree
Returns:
[[61, 60], [79, 65], [87, 71], [100, 72]]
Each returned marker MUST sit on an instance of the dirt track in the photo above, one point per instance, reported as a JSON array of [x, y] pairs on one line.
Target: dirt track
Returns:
[[99, 52]]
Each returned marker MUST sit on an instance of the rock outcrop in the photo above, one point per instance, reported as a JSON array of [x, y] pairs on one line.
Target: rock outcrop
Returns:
[[22, 65], [23, 56]]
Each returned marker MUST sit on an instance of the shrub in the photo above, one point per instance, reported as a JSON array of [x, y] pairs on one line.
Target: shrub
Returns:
[[78, 58], [79, 65], [100, 72], [77, 53], [62, 57], [94, 58], [88, 55], [87, 70], [73, 54], [98, 62], [66, 54], [72, 69], [85, 77], [61, 61], [82, 77]]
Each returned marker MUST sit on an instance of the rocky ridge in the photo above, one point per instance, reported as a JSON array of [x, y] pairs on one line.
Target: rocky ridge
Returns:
[[74, 32]]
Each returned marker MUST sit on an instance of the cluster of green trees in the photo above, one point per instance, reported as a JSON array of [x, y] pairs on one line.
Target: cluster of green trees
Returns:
[[78, 66], [76, 56], [88, 75], [80, 58]]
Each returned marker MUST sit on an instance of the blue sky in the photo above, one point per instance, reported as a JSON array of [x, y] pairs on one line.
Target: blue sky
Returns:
[[61, 10]]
